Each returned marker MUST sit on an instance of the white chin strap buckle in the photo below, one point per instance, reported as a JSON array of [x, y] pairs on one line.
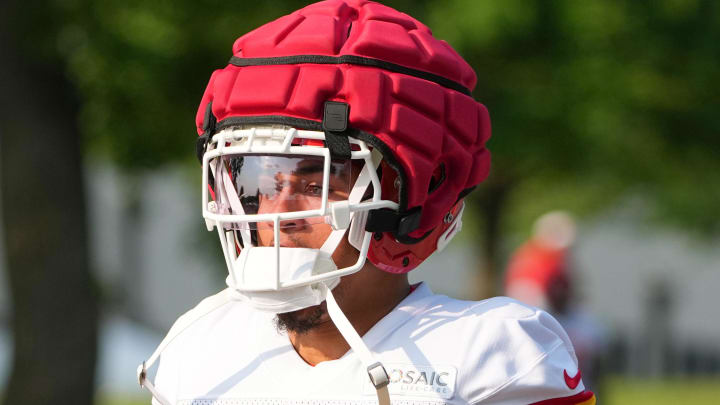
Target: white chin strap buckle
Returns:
[[378, 375]]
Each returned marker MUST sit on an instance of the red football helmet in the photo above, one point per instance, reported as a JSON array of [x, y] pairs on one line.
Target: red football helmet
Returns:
[[362, 71]]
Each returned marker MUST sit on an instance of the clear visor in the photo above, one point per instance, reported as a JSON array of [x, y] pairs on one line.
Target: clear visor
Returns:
[[276, 184]]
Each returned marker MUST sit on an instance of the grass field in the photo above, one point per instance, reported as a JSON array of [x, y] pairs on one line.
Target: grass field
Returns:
[[618, 391], [666, 391]]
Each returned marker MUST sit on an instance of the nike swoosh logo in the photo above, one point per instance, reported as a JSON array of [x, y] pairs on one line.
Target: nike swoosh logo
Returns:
[[572, 382]]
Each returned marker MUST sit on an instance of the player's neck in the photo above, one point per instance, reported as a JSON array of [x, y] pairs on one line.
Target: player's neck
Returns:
[[364, 300]]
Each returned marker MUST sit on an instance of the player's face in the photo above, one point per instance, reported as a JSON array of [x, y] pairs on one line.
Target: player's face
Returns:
[[298, 191], [299, 188]]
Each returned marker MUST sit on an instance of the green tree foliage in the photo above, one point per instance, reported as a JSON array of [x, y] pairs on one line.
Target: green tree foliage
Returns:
[[141, 68], [591, 100]]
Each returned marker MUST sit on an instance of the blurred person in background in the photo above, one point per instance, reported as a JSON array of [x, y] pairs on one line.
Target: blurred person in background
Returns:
[[337, 148], [540, 273]]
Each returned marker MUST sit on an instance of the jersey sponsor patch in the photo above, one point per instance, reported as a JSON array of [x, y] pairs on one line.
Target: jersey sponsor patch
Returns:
[[414, 380]]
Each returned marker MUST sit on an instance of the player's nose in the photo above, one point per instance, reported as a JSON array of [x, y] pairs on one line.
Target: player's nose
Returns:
[[288, 202]]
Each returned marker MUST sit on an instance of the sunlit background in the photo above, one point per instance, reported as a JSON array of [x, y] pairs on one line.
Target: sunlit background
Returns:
[[607, 111]]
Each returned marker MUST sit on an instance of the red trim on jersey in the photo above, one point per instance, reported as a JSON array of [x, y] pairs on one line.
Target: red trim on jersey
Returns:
[[578, 399]]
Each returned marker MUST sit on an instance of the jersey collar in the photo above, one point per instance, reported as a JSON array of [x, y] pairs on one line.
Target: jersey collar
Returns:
[[416, 302]]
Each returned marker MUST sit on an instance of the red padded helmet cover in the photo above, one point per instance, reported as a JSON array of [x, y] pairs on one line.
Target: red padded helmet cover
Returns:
[[424, 124]]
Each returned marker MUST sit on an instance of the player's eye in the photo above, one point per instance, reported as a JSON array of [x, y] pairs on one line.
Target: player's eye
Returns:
[[313, 190]]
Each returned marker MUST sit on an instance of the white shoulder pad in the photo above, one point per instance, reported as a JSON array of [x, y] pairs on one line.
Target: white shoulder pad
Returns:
[[166, 376], [522, 356]]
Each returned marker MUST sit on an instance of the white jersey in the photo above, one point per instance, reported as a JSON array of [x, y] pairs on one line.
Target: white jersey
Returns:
[[436, 350]]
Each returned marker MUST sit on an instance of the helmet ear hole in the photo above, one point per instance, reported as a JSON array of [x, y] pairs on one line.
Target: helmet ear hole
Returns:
[[437, 178]]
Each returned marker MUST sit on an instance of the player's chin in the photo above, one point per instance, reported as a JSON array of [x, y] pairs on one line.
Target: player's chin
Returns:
[[302, 320]]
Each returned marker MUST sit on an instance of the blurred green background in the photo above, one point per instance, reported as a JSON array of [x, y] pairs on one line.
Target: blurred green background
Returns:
[[605, 109]]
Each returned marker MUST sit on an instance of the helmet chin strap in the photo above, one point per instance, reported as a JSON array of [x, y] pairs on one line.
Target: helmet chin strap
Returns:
[[258, 287], [376, 371]]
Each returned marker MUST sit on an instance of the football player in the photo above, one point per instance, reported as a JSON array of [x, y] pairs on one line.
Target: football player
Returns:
[[337, 148], [541, 273]]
